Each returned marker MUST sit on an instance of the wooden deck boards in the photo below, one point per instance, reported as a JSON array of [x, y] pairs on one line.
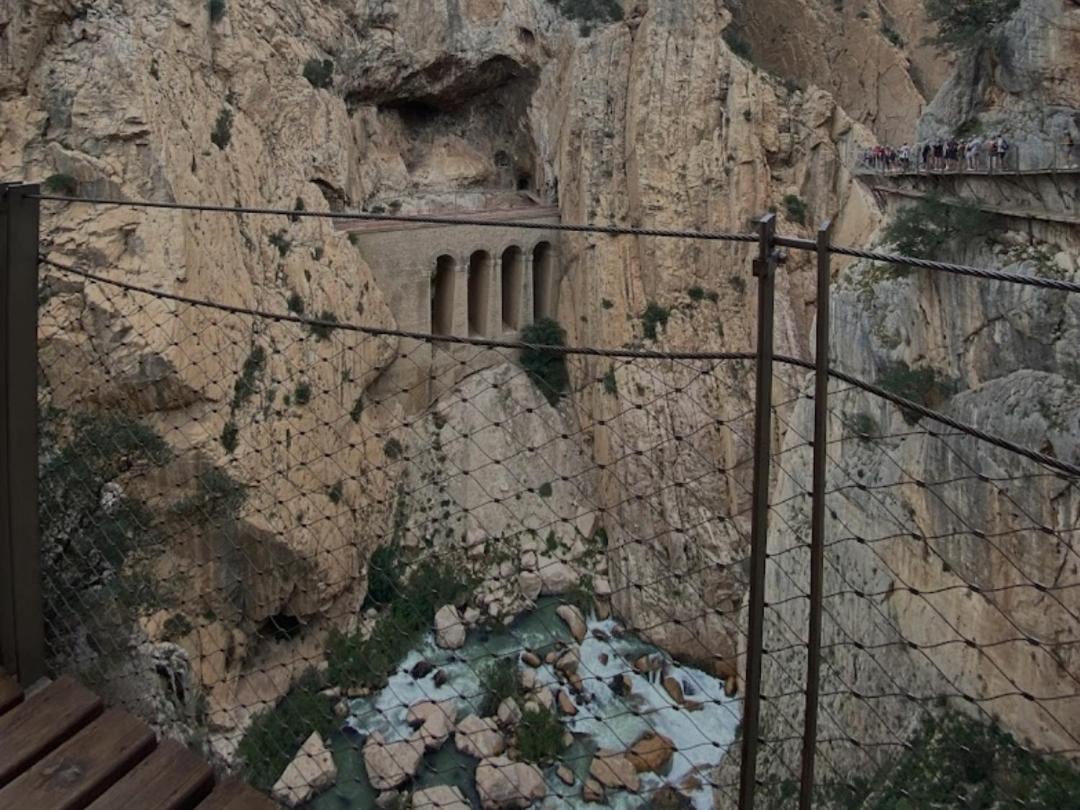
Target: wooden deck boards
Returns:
[[60, 750]]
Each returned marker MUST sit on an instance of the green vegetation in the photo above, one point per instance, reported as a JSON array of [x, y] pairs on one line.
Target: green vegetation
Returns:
[[540, 736], [281, 242], [325, 327], [336, 492], [498, 681], [924, 228], [244, 387], [295, 303], [966, 24], [696, 293], [217, 499], [590, 11], [357, 409], [606, 303], [216, 8], [319, 72], [863, 425], [95, 538], [922, 386], [892, 35], [277, 733], [958, 762], [654, 316], [230, 436], [354, 661], [61, 184], [222, 132], [384, 576], [176, 626], [546, 367], [302, 393], [545, 490], [740, 46], [611, 385], [796, 208], [392, 449], [297, 206]]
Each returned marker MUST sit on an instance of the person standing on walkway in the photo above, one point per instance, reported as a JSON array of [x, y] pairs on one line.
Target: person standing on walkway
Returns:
[[1003, 152], [1069, 147]]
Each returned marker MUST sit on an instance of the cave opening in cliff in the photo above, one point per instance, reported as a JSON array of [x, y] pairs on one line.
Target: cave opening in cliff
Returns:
[[524, 182], [512, 278], [281, 627], [442, 296], [479, 292], [542, 281]]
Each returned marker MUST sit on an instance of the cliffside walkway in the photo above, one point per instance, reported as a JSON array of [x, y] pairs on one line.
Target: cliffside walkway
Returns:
[[1041, 214], [866, 171], [60, 748], [501, 214]]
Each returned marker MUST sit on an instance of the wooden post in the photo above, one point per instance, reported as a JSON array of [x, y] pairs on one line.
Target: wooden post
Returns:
[[22, 639]]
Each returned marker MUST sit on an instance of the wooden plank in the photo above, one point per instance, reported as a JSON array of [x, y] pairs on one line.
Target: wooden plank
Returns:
[[84, 767], [11, 693], [42, 722], [236, 796], [171, 778]]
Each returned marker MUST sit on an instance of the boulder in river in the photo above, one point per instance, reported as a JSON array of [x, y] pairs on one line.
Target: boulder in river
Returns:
[[566, 703], [574, 620], [435, 722], [529, 658], [391, 764], [593, 791], [449, 628], [421, 669], [502, 783], [651, 753], [673, 688], [614, 770], [566, 776], [479, 737], [311, 771], [508, 713], [441, 797]]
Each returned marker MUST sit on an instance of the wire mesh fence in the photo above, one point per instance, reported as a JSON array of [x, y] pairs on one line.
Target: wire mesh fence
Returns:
[[365, 567]]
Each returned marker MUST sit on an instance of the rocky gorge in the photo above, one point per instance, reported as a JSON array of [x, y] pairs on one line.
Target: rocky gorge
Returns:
[[635, 113]]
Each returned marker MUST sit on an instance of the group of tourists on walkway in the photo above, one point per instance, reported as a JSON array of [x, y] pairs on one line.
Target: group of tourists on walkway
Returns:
[[973, 154]]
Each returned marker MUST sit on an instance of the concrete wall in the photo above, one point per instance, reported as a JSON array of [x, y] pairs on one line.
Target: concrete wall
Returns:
[[425, 273]]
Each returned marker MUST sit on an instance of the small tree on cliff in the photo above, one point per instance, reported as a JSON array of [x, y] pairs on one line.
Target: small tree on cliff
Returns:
[[546, 367], [966, 24]]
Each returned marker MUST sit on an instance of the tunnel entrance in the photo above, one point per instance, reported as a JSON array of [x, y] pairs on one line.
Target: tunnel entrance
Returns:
[[479, 291], [542, 281], [512, 282], [442, 296]]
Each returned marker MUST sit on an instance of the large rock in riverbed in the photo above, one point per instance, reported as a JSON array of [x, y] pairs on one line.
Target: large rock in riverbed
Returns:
[[449, 628], [479, 737], [391, 764], [614, 770], [574, 620], [652, 752], [434, 721], [504, 784], [441, 797], [311, 771]]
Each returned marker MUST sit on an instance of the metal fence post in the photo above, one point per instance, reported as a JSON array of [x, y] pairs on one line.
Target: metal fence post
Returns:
[[817, 517], [765, 271], [22, 642]]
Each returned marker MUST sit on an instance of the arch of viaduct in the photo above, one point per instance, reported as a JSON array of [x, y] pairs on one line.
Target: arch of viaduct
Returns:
[[462, 281]]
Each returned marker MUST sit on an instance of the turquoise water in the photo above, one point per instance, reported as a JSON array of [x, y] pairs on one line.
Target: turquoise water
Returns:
[[606, 721]]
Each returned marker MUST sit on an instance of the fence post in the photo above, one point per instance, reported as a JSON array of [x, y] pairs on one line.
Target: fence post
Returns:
[[765, 271], [22, 642], [817, 517]]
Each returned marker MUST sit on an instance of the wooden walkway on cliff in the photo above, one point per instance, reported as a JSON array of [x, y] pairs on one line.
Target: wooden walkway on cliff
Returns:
[[505, 214], [61, 749]]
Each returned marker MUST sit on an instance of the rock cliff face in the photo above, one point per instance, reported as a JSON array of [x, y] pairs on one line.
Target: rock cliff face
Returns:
[[872, 57]]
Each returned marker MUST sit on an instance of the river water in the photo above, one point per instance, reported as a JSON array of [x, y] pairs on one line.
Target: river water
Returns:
[[607, 721]]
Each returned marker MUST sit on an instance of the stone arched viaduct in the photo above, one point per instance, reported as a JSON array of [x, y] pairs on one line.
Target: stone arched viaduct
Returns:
[[460, 280]]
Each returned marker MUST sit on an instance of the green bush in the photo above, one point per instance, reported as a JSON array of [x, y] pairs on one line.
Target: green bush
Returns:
[[297, 206], [217, 499], [590, 11], [281, 242], [222, 132], [230, 436], [216, 8], [796, 208], [892, 35], [696, 293], [384, 576], [966, 24], [326, 327], [959, 762], [923, 386], [739, 45], [302, 394], [546, 367], [295, 303], [357, 409], [336, 492], [63, 184], [924, 228], [320, 73], [355, 661], [611, 385], [540, 736], [392, 449], [654, 316], [863, 426], [545, 490], [276, 733], [498, 681], [244, 388], [176, 626]]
